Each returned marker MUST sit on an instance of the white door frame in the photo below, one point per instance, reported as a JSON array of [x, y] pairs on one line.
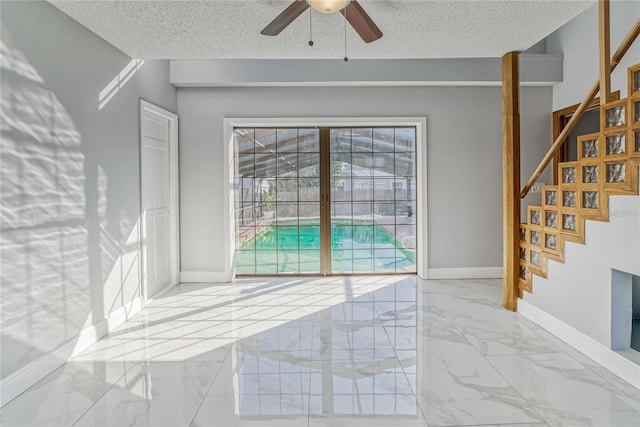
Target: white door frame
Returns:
[[174, 210], [420, 124]]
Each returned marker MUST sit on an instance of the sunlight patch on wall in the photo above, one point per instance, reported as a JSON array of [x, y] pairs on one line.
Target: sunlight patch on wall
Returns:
[[15, 61], [118, 82], [44, 237]]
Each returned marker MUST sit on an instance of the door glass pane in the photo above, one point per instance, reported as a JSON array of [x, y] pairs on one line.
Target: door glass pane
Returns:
[[287, 140], [373, 194], [277, 200]]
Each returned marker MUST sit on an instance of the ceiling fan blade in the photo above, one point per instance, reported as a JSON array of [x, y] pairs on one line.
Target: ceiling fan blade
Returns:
[[287, 16], [361, 22]]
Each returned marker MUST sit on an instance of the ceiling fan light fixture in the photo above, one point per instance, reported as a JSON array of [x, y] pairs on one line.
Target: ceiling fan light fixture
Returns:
[[328, 6]]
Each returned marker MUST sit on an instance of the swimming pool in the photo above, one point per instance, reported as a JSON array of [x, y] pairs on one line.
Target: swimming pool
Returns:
[[289, 247]]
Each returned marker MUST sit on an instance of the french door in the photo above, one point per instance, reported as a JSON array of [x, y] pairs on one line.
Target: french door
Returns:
[[324, 201]]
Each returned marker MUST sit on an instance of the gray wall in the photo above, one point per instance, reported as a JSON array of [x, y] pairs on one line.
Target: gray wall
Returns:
[[578, 42], [69, 179], [464, 158]]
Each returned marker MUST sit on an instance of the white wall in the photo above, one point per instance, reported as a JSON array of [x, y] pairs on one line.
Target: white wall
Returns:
[[70, 181], [578, 42], [464, 137], [578, 293]]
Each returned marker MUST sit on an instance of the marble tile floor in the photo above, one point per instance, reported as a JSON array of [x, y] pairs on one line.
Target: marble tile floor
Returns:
[[339, 351]]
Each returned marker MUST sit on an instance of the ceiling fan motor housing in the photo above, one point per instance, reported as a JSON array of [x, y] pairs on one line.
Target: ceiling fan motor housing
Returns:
[[351, 9], [328, 6]]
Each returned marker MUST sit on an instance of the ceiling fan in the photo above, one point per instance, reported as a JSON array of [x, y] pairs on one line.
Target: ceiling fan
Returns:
[[351, 9]]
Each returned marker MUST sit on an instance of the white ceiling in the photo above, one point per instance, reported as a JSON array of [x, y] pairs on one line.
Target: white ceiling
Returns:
[[231, 28]]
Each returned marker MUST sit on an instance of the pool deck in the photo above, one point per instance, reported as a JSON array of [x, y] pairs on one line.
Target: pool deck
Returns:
[[249, 231], [403, 230]]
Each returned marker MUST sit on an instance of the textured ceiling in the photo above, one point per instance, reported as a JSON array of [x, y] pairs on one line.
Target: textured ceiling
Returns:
[[231, 28]]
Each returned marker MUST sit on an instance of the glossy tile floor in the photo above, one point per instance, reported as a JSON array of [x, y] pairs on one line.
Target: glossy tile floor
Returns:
[[359, 351]]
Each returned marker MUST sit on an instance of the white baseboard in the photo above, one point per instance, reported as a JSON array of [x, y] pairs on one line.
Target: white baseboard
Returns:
[[609, 359], [160, 293], [204, 276], [465, 273], [433, 273], [123, 314], [16, 383]]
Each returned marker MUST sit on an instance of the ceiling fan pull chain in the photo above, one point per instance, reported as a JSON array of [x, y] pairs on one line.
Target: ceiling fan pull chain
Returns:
[[346, 58], [310, 27]]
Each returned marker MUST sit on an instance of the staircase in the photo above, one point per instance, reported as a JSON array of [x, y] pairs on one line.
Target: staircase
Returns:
[[607, 164]]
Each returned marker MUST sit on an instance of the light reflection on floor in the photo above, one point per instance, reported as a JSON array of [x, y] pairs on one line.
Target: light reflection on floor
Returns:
[[387, 351]]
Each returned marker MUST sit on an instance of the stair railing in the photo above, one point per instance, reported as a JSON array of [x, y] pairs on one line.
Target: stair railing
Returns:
[[615, 60]]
